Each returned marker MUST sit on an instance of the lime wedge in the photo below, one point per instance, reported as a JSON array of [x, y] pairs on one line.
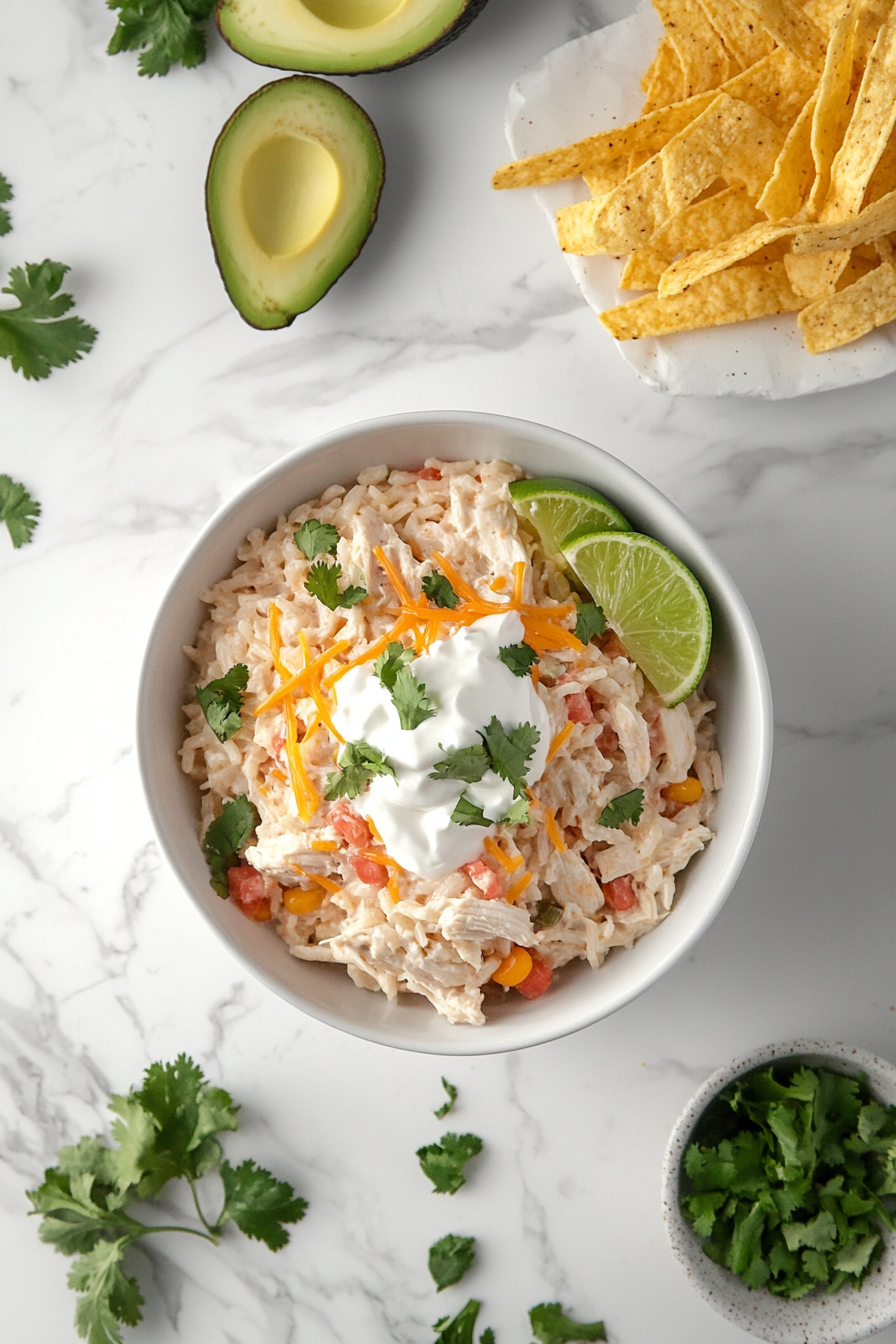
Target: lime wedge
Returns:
[[554, 506], [652, 601]]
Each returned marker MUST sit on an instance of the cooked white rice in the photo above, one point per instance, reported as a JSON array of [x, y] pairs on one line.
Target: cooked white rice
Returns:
[[440, 938]]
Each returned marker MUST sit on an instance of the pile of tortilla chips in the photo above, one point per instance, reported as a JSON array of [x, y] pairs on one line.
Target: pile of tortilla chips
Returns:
[[760, 177]]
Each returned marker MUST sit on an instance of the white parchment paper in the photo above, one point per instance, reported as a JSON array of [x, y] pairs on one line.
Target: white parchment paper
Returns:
[[592, 85]]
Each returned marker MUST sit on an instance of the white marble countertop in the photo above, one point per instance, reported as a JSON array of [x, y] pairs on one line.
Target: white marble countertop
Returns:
[[458, 301]]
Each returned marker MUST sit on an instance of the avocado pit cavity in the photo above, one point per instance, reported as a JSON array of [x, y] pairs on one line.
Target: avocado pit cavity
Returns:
[[353, 13], [290, 190]]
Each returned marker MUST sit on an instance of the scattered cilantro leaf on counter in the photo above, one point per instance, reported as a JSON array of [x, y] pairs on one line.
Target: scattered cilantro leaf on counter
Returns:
[[163, 1130], [221, 702], [519, 658], [437, 588], [226, 836], [590, 621], [627, 807], [163, 31], [35, 337], [510, 752], [551, 1326], [323, 583], [444, 1162], [358, 763], [450, 1258], [315, 538], [390, 663], [17, 510], [547, 914], [467, 813], [517, 814], [410, 700], [459, 1329], [5, 195], [446, 1106], [487, 1336], [468, 764]]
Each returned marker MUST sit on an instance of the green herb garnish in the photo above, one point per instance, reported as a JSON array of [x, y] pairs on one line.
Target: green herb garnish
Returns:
[[437, 588], [444, 1162], [164, 1131], [627, 807], [590, 621], [35, 337], [519, 658], [787, 1178], [17, 510], [390, 663], [546, 915], [358, 764], [411, 702], [551, 1326], [163, 31], [511, 751], [468, 813], [221, 702], [468, 764], [5, 195], [323, 583], [450, 1258], [517, 814], [224, 839], [459, 1329], [446, 1106], [316, 538]]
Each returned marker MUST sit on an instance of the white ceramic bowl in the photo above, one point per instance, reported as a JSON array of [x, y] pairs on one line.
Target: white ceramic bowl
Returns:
[[737, 679], [839, 1319]]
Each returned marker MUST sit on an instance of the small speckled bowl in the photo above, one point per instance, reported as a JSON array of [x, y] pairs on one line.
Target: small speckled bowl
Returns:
[[839, 1319]]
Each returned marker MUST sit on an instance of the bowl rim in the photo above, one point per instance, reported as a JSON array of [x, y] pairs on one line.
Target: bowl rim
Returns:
[[740, 1305], [612, 470]]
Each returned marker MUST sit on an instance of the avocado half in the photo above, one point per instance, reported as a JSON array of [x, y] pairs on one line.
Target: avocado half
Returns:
[[292, 192], [342, 37]]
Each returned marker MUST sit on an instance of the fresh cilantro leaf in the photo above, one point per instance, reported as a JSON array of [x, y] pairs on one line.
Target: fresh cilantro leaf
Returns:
[[224, 839], [547, 914], [75, 1216], [5, 195], [468, 764], [437, 588], [390, 663], [519, 658], [110, 1297], [487, 1336], [164, 31], [510, 752], [446, 1106], [551, 1326], [259, 1204], [590, 621], [17, 510], [517, 814], [444, 1162], [323, 583], [411, 702], [458, 1329], [35, 336], [627, 807], [222, 700], [316, 538], [359, 763], [467, 813], [186, 1113], [450, 1258]]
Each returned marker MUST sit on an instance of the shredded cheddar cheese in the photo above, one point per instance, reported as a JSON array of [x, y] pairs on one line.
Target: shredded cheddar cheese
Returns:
[[518, 887], [557, 742], [491, 844]]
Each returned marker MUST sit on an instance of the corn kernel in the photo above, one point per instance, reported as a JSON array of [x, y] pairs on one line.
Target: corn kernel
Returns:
[[299, 902], [687, 790], [513, 969]]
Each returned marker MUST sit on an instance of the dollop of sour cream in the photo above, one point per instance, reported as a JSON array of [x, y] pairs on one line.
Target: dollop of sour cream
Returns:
[[467, 684]]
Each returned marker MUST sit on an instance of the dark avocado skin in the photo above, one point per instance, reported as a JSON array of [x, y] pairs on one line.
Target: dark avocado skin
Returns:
[[472, 9]]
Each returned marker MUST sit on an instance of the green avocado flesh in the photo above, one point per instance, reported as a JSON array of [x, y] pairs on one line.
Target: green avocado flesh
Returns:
[[342, 37], [292, 191]]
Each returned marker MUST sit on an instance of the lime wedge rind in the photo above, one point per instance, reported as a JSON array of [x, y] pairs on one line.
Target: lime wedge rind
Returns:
[[652, 601], [555, 507]]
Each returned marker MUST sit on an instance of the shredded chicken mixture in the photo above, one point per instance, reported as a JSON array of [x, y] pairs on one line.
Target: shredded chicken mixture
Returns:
[[332, 897]]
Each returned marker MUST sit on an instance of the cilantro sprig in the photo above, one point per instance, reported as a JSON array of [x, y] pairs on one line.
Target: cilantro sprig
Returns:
[[165, 1130], [315, 538], [390, 663], [450, 1258], [505, 752], [446, 1106], [786, 1180], [437, 588], [18, 510], [163, 31], [221, 702], [627, 807], [5, 195], [519, 658], [590, 621], [411, 702], [35, 336], [459, 1329], [550, 1325], [444, 1162], [468, 764], [323, 583], [510, 751], [226, 837], [358, 764]]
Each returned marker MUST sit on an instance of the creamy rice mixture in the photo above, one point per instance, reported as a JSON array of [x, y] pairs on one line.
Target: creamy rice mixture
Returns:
[[442, 938]]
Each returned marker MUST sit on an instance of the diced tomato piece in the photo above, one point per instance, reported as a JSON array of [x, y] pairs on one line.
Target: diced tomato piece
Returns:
[[538, 979], [578, 708], [248, 890], [372, 873], [485, 878], [607, 742], [277, 744], [429, 474], [353, 829], [619, 894]]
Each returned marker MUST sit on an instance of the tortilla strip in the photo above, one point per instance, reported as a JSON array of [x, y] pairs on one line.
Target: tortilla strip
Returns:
[[736, 295], [707, 222], [777, 86], [607, 176], [790, 27], [689, 270], [643, 269], [667, 83], [868, 130], [852, 312], [833, 107], [874, 220], [742, 34], [784, 192], [703, 58]]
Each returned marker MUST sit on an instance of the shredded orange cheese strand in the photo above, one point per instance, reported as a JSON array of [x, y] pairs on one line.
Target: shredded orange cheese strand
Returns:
[[295, 680], [553, 830], [306, 795], [278, 774], [499, 584], [395, 578], [519, 886], [392, 888], [379, 646], [519, 573], [382, 859], [327, 883], [557, 742], [463, 589], [316, 693], [324, 844], [497, 852]]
